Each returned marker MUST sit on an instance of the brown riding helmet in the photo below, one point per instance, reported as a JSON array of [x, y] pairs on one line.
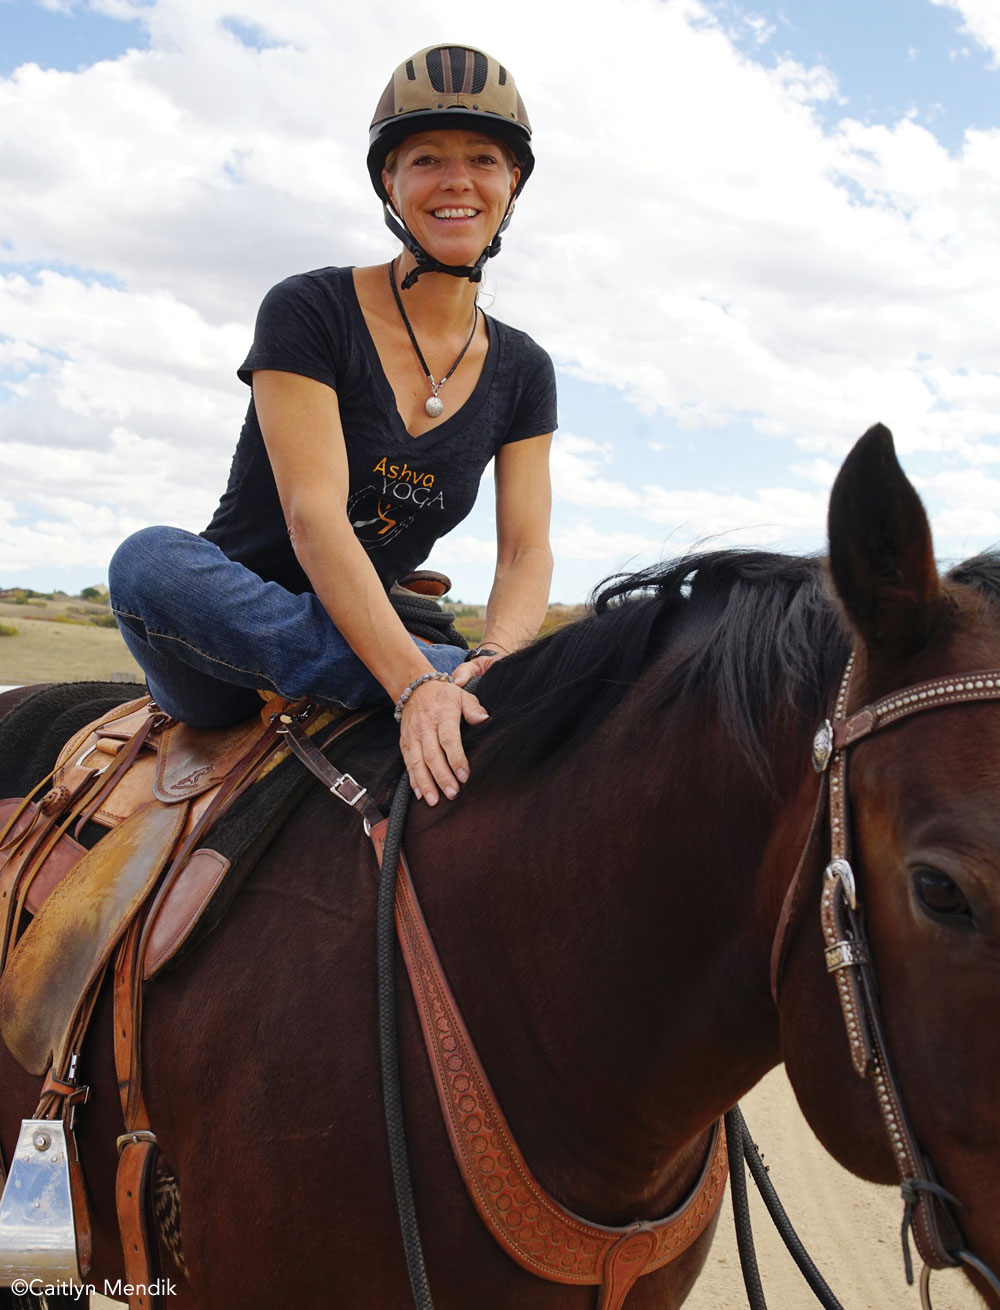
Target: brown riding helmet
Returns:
[[449, 87]]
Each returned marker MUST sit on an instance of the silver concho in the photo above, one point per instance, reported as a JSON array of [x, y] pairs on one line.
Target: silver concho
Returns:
[[823, 746], [842, 871], [434, 406]]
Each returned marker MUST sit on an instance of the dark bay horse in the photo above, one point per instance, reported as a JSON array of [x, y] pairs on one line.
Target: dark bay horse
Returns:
[[604, 896]]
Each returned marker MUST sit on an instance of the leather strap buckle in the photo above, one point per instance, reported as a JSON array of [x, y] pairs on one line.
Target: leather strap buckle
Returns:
[[348, 789], [845, 955], [66, 1088], [135, 1138]]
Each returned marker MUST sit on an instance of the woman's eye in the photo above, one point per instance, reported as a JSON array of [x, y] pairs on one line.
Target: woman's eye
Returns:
[[940, 895]]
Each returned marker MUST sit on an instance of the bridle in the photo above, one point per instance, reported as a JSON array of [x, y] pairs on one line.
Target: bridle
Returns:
[[929, 1208]]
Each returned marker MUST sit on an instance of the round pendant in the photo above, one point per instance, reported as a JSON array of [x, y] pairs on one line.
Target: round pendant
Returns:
[[434, 406]]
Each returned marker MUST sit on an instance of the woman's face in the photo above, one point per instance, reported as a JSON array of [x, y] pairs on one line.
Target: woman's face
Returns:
[[451, 189]]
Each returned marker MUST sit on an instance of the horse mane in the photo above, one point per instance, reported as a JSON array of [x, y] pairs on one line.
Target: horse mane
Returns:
[[753, 631], [981, 573]]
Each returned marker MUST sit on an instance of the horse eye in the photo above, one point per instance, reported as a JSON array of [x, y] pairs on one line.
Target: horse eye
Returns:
[[940, 895]]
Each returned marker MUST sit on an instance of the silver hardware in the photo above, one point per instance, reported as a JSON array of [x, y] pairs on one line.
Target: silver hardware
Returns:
[[822, 746], [348, 790], [840, 869], [134, 1138], [37, 1234], [41, 1141], [842, 955], [86, 756]]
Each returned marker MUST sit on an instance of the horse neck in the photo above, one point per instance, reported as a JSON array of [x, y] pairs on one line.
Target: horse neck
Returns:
[[607, 932]]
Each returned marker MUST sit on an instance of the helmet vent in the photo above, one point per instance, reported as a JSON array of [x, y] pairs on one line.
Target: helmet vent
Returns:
[[464, 72], [480, 67], [502, 79], [410, 73]]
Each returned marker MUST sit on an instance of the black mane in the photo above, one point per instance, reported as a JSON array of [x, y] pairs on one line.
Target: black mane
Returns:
[[753, 630], [982, 573]]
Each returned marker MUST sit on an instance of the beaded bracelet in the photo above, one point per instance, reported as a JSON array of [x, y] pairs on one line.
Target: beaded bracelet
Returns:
[[407, 692]]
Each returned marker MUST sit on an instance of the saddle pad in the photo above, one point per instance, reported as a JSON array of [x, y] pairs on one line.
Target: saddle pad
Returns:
[[66, 946]]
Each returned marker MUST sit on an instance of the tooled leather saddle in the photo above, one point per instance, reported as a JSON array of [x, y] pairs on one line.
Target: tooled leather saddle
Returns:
[[134, 898]]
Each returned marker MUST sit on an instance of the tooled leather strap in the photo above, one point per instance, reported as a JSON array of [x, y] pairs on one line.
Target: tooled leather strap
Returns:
[[535, 1230], [137, 1145], [847, 952]]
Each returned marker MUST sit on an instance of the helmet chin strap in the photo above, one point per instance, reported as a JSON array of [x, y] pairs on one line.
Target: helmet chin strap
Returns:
[[428, 264]]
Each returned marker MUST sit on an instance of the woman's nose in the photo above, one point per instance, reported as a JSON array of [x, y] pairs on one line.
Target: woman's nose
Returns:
[[456, 175]]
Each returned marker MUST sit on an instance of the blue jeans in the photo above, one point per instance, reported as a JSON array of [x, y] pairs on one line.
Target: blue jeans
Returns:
[[208, 633]]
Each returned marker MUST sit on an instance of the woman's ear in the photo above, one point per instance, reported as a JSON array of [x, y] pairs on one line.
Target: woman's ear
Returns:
[[387, 183]]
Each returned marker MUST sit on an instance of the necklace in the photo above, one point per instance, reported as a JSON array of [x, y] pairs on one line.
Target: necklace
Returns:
[[433, 405]]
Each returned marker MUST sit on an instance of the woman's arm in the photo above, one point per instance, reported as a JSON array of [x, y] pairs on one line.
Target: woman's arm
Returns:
[[300, 422], [520, 592]]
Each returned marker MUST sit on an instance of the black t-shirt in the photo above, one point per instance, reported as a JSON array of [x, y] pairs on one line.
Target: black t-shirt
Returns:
[[405, 492]]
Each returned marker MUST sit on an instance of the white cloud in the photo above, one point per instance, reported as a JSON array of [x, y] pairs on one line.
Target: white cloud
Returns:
[[695, 236], [981, 21]]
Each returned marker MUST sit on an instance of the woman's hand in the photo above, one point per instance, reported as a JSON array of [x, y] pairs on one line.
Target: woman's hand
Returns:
[[430, 738], [475, 668]]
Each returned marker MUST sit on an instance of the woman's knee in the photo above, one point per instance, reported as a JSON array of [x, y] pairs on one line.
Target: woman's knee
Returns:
[[152, 562]]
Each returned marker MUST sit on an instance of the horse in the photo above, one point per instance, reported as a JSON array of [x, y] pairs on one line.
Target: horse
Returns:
[[605, 895]]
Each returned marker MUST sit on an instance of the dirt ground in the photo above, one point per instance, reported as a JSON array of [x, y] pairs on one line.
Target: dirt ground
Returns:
[[850, 1228], [46, 650]]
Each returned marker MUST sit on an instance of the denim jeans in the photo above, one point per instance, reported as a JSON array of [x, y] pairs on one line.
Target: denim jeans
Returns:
[[208, 633]]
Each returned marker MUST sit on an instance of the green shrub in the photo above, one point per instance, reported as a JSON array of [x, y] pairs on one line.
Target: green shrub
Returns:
[[8, 630]]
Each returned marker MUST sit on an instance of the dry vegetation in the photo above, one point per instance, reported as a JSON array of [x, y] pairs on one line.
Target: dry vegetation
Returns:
[[58, 638], [469, 619]]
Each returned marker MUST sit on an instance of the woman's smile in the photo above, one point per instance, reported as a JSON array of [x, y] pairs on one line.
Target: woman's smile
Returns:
[[452, 214], [454, 185]]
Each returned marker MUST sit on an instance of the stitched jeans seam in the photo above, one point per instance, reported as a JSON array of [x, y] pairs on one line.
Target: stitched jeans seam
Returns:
[[181, 641]]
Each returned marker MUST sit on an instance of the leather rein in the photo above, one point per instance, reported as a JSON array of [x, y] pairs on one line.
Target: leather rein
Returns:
[[533, 1228], [929, 1208]]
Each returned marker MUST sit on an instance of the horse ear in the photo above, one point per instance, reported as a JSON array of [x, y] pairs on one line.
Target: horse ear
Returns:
[[881, 553]]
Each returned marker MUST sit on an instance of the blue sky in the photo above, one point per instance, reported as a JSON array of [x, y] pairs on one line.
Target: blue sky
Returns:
[[63, 39], [773, 225]]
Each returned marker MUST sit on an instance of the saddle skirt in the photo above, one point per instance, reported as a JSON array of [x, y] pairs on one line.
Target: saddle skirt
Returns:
[[156, 785]]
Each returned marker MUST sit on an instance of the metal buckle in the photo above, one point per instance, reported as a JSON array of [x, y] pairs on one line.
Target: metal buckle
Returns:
[[348, 790], [134, 1138], [842, 955]]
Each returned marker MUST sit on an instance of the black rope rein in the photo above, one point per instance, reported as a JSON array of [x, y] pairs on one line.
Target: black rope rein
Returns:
[[392, 1091], [740, 1145]]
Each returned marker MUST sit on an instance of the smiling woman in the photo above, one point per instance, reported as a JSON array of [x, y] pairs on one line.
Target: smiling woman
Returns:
[[379, 395]]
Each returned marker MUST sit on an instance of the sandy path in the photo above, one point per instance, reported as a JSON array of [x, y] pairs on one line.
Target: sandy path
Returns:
[[850, 1228]]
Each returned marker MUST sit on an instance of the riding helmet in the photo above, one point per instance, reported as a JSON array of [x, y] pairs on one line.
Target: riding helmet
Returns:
[[448, 87]]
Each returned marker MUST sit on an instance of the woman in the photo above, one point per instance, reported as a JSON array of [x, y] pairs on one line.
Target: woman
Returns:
[[378, 397]]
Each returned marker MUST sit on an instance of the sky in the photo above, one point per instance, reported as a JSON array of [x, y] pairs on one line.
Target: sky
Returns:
[[752, 232]]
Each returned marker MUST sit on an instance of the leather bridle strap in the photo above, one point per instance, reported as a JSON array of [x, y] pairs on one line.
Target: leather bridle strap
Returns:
[[848, 956], [532, 1227]]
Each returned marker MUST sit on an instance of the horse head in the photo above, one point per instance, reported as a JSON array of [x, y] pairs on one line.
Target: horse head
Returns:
[[923, 830]]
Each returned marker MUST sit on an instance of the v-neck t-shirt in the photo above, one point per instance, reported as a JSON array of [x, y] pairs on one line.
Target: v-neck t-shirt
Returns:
[[405, 492]]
